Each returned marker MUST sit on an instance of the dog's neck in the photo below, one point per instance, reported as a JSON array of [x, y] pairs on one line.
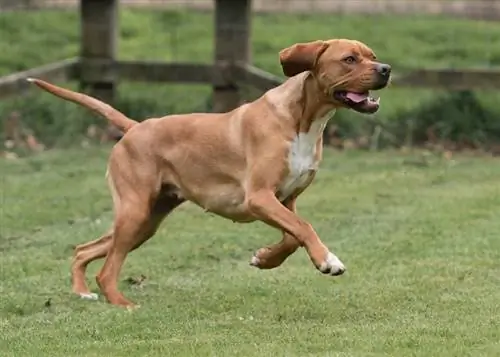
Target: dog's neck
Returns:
[[300, 100]]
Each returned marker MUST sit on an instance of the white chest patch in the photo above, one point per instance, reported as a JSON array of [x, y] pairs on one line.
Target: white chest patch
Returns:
[[302, 160]]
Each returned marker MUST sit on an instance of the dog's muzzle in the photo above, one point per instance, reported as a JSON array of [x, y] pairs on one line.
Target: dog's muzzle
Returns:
[[362, 102], [383, 74]]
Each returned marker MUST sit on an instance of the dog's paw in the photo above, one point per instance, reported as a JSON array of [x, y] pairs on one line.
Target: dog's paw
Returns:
[[255, 262], [258, 260], [332, 265], [89, 296], [132, 308]]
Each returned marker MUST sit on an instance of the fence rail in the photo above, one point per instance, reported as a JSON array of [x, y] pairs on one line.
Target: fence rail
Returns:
[[15, 83], [453, 79], [149, 71], [244, 74]]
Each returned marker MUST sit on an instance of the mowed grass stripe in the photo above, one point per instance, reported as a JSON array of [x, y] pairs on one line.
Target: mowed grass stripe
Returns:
[[420, 243]]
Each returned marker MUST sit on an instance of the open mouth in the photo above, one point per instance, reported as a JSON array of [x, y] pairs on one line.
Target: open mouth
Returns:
[[360, 102]]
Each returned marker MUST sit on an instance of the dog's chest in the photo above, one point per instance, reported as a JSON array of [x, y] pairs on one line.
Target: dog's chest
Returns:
[[302, 159]]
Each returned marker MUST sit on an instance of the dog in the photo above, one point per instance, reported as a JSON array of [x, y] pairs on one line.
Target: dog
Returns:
[[249, 164]]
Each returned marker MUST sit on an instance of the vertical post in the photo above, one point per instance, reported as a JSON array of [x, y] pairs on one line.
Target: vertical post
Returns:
[[494, 9], [232, 44], [99, 26]]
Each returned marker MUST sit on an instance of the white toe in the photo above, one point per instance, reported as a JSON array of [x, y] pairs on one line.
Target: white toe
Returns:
[[332, 265], [89, 296], [255, 261]]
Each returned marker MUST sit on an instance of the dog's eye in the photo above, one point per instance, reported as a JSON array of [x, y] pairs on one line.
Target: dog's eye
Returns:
[[350, 60]]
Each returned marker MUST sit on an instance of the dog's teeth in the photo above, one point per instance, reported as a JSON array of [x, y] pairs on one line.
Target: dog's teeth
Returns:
[[377, 101]]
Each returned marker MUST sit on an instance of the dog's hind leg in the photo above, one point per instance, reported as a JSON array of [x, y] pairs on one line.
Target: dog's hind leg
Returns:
[[84, 254], [135, 223], [274, 255], [99, 248], [133, 227]]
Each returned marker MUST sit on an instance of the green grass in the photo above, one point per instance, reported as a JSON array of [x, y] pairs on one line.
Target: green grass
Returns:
[[420, 243], [403, 41]]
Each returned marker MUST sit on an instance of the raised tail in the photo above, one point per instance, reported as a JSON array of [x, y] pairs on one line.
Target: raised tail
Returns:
[[117, 118]]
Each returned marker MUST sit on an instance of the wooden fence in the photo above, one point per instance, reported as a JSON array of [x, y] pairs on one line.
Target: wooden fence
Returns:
[[98, 70]]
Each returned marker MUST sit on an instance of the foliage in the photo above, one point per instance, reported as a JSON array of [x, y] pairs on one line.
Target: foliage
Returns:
[[59, 122], [460, 117], [405, 42], [457, 120]]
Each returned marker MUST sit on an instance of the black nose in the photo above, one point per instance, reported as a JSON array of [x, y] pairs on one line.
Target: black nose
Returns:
[[384, 69]]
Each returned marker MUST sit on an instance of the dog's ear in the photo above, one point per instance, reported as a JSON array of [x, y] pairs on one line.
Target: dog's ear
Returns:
[[301, 57]]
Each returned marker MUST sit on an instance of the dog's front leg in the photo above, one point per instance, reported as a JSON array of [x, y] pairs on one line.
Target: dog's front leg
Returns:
[[265, 206]]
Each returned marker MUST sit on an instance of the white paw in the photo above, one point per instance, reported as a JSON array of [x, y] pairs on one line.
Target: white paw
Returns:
[[332, 265], [89, 296], [255, 261]]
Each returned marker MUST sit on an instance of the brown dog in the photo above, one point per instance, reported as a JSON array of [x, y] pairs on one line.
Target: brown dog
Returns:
[[245, 165]]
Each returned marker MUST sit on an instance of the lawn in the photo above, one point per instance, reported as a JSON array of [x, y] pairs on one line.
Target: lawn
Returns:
[[419, 237], [406, 42], [403, 41]]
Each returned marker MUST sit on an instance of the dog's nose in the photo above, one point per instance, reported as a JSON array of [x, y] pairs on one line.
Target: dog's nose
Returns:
[[384, 69]]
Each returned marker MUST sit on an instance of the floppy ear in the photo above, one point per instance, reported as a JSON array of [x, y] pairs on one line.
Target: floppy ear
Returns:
[[301, 57]]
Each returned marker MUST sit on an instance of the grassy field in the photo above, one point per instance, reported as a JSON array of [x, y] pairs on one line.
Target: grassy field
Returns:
[[403, 41], [420, 242]]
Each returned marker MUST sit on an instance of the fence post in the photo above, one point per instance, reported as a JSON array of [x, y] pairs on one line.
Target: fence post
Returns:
[[99, 27], [232, 44]]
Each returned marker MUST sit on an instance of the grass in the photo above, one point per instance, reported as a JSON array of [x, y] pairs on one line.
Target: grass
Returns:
[[403, 41], [419, 237]]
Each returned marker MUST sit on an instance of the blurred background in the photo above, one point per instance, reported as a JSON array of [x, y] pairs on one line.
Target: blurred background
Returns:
[[445, 55]]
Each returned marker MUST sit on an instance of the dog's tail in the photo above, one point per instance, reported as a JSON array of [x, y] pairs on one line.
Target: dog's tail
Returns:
[[117, 118]]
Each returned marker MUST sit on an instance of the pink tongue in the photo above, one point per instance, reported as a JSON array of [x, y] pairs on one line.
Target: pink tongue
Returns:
[[356, 97]]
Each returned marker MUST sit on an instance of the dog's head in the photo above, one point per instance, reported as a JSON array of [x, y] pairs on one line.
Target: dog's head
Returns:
[[346, 71]]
